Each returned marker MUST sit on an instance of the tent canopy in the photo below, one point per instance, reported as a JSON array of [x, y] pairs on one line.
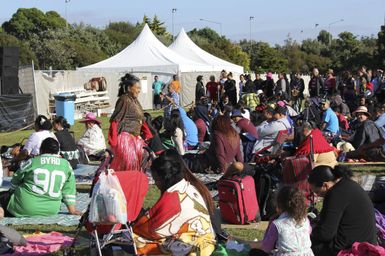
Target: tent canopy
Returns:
[[148, 54], [184, 46]]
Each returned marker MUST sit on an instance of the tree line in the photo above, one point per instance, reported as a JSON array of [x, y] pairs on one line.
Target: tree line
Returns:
[[49, 41]]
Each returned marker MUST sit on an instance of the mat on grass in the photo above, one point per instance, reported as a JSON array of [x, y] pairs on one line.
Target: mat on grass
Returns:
[[61, 219], [85, 173]]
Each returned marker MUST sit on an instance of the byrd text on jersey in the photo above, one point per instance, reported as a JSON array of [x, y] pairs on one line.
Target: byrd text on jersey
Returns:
[[50, 160]]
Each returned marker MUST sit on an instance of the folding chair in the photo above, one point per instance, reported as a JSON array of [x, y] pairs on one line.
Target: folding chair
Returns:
[[262, 157], [135, 186]]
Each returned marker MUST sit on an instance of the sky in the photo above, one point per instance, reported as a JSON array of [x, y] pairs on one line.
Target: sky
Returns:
[[274, 20]]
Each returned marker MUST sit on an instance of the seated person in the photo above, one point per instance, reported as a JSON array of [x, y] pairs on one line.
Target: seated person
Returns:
[[374, 152], [323, 153], [190, 128], [92, 141], [201, 126], [347, 215], [329, 119], [339, 105], [342, 121], [366, 132], [267, 132], [68, 148], [311, 113], [244, 125], [289, 234], [43, 129], [40, 185], [180, 221], [225, 146], [174, 134]]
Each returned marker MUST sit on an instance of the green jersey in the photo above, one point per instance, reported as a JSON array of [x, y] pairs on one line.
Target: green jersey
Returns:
[[40, 185]]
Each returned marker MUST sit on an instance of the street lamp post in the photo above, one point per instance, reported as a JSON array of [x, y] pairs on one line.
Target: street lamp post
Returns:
[[66, 3], [173, 11], [330, 35], [250, 19], [214, 22]]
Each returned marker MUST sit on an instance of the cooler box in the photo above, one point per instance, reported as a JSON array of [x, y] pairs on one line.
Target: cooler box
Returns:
[[65, 106]]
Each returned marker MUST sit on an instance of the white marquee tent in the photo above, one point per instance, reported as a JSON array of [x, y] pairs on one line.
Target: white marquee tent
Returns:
[[188, 49], [148, 54]]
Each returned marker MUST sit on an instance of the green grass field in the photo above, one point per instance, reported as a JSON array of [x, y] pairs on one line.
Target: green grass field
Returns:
[[152, 196]]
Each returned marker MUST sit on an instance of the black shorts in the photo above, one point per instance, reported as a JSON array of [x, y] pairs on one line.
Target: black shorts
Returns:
[[5, 196], [157, 99]]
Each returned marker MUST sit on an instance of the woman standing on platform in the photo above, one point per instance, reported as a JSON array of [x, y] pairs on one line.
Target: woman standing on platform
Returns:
[[126, 122]]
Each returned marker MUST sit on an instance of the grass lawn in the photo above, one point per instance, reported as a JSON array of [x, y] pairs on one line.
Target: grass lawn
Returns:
[[11, 138], [82, 248], [152, 196]]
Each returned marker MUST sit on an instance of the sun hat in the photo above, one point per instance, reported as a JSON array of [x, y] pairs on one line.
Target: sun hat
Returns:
[[362, 109], [90, 117], [345, 146]]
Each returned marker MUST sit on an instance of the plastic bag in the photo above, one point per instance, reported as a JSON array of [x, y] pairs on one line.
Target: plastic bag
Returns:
[[108, 203]]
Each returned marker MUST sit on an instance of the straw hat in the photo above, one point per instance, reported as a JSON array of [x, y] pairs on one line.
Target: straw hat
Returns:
[[362, 109]]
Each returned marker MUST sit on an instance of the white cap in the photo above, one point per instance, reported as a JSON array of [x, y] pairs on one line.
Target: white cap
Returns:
[[259, 92]]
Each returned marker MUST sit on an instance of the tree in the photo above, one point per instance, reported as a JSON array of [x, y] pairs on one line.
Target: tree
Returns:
[[26, 54], [212, 42], [312, 46], [381, 47], [53, 49], [264, 57], [345, 50], [157, 26], [146, 20], [324, 37], [28, 22]]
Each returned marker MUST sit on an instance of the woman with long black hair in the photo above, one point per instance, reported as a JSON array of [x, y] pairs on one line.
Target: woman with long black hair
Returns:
[[67, 143], [174, 134], [126, 123], [180, 221], [347, 215]]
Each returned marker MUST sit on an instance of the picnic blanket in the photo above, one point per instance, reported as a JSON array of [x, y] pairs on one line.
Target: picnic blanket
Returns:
[[62, 219], [84, 173], [41, 244]]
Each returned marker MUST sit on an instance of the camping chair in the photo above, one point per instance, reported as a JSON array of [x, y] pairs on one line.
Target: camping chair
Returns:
[[262, 157], [135, 186]]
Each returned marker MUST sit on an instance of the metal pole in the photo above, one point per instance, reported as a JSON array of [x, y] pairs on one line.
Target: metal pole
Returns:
[[66, 4], [173, 11], [250, 19], [215, 22], [330, 35]]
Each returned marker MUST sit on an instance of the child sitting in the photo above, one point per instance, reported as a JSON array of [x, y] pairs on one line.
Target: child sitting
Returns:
[[289, 234]]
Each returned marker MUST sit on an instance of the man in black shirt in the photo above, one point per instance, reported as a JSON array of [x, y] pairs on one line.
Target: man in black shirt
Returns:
[[347, 215]]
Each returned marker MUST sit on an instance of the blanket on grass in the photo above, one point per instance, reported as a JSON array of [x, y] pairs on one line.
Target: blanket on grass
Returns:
[[61, 219], [41, 244]]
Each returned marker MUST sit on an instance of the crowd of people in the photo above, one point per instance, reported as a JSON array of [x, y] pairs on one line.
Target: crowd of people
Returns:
[[229, 127]]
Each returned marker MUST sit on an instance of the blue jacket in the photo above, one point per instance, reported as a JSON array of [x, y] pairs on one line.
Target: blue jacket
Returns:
[[190, 128]]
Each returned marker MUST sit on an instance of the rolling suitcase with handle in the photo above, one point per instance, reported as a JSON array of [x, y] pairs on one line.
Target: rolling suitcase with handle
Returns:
[[238, 200]]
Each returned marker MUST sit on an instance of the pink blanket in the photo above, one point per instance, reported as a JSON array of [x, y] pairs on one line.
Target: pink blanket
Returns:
[[42, 244]]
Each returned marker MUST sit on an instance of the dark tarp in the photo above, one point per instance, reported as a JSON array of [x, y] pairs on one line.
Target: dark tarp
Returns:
[[16, 111]]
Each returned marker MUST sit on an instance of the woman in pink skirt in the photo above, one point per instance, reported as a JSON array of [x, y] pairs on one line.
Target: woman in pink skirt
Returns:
[[126, 122]]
